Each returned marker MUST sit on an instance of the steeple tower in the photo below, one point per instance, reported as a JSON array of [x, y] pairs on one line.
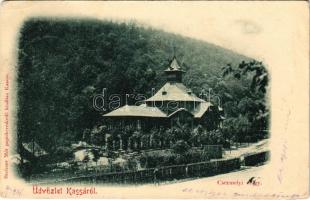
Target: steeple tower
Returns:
[[174, 72]]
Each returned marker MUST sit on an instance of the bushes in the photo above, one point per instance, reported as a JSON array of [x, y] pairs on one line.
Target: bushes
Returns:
[[193, 156], [180, 147], [213, 151], [157, 158], [167, 157]]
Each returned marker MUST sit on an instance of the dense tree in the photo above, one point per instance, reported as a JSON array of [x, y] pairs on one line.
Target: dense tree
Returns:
[[247, 109]]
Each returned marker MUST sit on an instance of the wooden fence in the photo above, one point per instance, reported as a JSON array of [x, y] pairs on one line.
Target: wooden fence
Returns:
[[202, 169]]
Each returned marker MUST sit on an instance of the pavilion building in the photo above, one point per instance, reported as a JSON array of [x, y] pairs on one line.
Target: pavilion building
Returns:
[[173, 104]]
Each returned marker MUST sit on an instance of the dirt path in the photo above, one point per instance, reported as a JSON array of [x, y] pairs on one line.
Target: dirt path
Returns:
[[247, 149]]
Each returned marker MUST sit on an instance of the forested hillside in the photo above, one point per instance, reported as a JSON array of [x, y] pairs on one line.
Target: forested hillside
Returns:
[[64, 63]]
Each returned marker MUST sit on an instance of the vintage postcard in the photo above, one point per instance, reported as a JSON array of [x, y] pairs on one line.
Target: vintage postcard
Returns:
[[154, 99]]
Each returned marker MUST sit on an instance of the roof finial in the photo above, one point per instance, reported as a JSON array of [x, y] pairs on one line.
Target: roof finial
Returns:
[[174, 56]]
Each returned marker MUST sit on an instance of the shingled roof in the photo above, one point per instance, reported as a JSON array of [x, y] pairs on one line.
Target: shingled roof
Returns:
[[145, 111], [136, 111], [175, 92]]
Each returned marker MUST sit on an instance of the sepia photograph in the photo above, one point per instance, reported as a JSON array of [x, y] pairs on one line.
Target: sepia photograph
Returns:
[[98, 100], [119, 102]]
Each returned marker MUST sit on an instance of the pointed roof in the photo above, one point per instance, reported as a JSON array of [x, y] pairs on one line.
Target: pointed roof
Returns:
[[175, 92], [136, 111], [174, 66], [145, 111]]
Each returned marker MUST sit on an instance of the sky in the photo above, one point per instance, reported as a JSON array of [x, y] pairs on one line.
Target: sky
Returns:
[[248, 28]]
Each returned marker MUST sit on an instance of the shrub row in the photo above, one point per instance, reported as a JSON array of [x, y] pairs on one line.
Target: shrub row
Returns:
[[167, 157]]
